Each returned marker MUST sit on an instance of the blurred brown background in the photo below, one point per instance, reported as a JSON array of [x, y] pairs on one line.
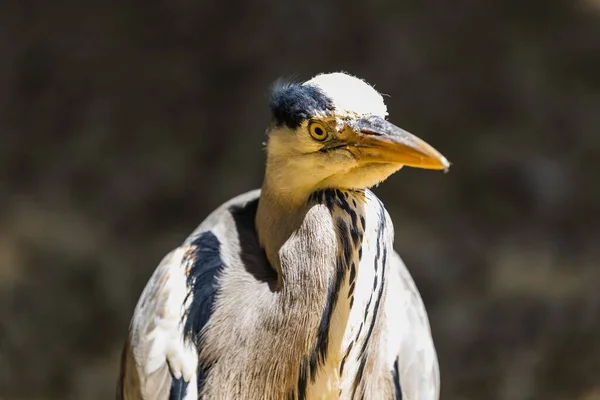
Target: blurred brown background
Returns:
[[122, 124]]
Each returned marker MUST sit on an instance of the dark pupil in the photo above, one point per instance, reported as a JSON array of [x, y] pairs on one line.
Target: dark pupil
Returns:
[[318, 131]]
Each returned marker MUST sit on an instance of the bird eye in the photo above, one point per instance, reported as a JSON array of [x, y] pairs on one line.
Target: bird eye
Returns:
[[317, 130]]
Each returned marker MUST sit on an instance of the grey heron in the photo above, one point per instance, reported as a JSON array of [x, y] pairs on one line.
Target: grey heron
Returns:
[[294, 291]]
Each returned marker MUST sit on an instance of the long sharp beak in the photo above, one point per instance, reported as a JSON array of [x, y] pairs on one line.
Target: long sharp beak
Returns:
[[378, 140]]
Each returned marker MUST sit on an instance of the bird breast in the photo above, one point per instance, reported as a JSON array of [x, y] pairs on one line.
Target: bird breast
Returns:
[[364, 241]]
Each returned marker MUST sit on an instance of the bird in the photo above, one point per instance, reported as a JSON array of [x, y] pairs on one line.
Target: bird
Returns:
[[294, 290]]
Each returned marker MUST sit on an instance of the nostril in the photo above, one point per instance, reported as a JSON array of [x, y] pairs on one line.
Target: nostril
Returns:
[[370, 132]]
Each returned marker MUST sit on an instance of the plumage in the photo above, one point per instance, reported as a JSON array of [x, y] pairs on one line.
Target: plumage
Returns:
[[293, 291]]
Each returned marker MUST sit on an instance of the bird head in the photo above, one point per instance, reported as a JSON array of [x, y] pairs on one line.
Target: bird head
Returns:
[[332, 132]]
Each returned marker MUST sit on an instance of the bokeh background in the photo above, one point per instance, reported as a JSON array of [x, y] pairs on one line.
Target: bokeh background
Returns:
[[122, 124]]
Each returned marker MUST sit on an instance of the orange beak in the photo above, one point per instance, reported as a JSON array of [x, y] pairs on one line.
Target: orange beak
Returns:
[[379, 141]]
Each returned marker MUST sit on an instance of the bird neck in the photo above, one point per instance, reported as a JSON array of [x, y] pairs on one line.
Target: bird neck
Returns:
[[277, 217], [281, 218], [316, 248], [330, 281]]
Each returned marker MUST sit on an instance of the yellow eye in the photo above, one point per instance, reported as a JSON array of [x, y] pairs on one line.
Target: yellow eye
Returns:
[[317, 130]]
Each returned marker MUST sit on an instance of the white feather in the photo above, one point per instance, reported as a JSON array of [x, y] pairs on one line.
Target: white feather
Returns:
[[350, 95], [157, 336]]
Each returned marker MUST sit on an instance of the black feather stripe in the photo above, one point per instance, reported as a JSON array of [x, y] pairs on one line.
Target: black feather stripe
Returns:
[[178, 389], [352, 272], [323, 331], [345, 241], [202, 281], [383, 255], [380, 291], [302, 379], [352, 281], [359, 375], [291, 395], [349, 238], [396, 379], [346, 357], [205, 269], [351, 290]]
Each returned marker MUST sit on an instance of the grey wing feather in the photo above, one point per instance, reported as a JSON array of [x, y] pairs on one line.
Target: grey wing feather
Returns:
[[417, 363], [156, 354], [158, 362]]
